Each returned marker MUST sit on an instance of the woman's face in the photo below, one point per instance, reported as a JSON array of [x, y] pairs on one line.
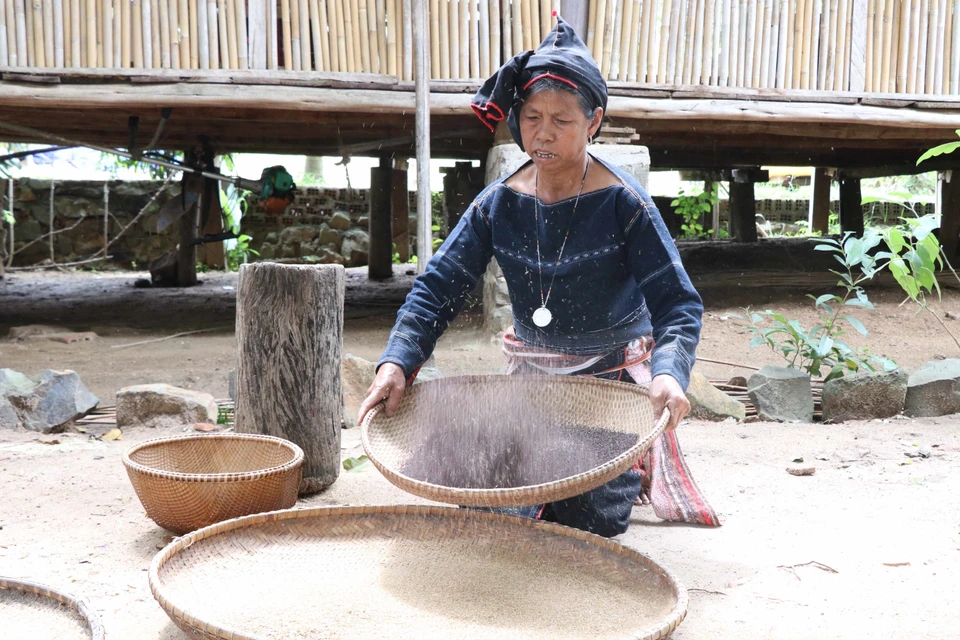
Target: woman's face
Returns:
[[554, 129]]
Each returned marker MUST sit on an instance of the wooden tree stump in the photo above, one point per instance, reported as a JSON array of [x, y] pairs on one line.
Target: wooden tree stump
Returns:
[[289, 342]]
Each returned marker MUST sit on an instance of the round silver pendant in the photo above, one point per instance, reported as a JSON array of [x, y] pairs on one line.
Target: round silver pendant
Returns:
[[542, 317]]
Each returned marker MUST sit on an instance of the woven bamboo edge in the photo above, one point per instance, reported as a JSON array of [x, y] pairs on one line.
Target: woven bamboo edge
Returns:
[[519, 496], [187, 620], [246, 476], [80, 605]]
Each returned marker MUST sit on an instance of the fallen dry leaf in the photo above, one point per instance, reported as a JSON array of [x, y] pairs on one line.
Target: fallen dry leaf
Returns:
[[896, 564], [113, 434], [49, 442]]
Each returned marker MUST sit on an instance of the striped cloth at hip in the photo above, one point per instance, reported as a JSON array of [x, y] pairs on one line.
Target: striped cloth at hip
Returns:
[[674, 493]]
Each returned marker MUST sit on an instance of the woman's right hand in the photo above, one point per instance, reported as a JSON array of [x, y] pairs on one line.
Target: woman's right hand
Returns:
[[389, 385]]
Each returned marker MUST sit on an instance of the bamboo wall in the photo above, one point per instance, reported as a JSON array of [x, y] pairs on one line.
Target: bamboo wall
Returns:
[[897, 46]]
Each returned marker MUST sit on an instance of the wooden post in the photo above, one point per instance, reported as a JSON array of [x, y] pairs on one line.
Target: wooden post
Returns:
[[187, 251], [949, 204], [289, 343], [421, 54], [743, 204], [50, 227], [851, 206], [380, 265], [400, 207], [819, 218]]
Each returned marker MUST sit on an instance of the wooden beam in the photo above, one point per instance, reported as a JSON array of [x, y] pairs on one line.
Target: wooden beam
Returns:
[[851, 206], [380, 264], [400, 207], [819, 219], [950, 213]]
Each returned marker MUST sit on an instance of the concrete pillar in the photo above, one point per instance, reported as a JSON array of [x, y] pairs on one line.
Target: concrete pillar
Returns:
[[819, 218], [503, 160], [380, 265], [851, 206]]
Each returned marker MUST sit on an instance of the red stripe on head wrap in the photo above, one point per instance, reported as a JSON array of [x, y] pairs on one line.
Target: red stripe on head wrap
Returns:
[[549, 75]]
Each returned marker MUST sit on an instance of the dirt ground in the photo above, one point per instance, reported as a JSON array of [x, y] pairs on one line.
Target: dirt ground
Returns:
[[867, 547]]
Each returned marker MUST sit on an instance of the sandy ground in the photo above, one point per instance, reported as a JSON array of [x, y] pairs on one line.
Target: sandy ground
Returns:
[[867, 547]]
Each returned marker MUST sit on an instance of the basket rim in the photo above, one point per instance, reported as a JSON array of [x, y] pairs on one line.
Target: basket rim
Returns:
[[241, 476], [80, 605], [530, 494], [178, 614]]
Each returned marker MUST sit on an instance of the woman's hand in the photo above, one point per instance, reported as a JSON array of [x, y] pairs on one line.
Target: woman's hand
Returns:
[[665, 391], [389, 385]]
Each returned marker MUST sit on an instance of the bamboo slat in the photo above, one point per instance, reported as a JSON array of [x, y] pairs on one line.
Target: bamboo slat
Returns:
[[240, 6], [5, 38], [435, 39], [295, 49], [338, 61], [406, 53], [483, 25], [107, 30], [303, 14], [940, 49], [136, 32], [546, 23], [273, 47], [91, 15], [631, 44], [154, 33], [203, 33], [915, 37], [164, 17], [374, 20], [760, 44], [948, 45], [698, 12], [676, 12], [172, 19], [506, 27], [471, 6], [38, 34], [843, 47], [929, 61], [48, 32], [222, 35], [318, 29], [599, 29], [57, 25], [591, 39], [346, 33], [454, 12], [903, 50], [13, 31], [955, 50], [183, 24], [32, 35], [363, 35], [807, 44], [322, 36], [213, 35], [743, 52], [496, 36], [465, 38], [608, 31], [286, 33], [687, 21], [643, 62], [666, 14], [516, 13], [535, 37], [871, 19], [354, 35], [615, 47], [723, 73]]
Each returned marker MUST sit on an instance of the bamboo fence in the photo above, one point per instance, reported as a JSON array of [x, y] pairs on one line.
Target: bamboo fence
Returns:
[[901, 46]]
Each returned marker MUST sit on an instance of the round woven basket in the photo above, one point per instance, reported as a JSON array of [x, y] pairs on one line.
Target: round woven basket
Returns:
[[405, 572], [189, 482], [557, 436], [79, 605]]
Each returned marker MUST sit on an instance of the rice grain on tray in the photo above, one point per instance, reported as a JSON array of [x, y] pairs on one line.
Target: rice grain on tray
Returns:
[[27, 616]]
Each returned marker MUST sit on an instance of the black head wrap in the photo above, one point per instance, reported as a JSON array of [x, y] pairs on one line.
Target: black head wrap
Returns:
[[561, 56]]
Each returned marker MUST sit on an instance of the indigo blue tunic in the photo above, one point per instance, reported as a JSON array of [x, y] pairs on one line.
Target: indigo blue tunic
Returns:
[[619, 278]]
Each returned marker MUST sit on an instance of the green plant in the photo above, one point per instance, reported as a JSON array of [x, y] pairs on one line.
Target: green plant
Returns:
[[240, 252], [691, 208], [940, 150], [822, 347], [914, 258]]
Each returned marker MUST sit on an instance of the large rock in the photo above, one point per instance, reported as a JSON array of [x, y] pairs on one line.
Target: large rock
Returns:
[[781, 394], [298, 234], [709, 403], [934, 389], [341, 221], [328, 236], [355, 248], [163, 405], [358, 375], [864, 397], [45, 402]]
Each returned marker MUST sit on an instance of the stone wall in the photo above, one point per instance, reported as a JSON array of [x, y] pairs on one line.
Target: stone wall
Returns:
[[322, 225], [81, 203]]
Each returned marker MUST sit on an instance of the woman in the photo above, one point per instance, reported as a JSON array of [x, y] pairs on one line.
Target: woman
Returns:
[[595, 281]]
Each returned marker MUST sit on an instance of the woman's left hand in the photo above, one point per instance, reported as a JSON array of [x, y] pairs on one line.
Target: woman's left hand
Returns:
[[665, 391]]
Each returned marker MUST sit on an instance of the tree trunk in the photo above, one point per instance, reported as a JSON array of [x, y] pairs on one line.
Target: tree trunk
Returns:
[[743, 211], [289, 341], [380, 227]]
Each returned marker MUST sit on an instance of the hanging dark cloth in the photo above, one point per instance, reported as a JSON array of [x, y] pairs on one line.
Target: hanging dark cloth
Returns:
[[562, 56]]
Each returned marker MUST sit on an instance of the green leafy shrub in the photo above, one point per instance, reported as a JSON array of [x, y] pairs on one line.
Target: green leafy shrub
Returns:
[[821, 347], [691, 208]]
